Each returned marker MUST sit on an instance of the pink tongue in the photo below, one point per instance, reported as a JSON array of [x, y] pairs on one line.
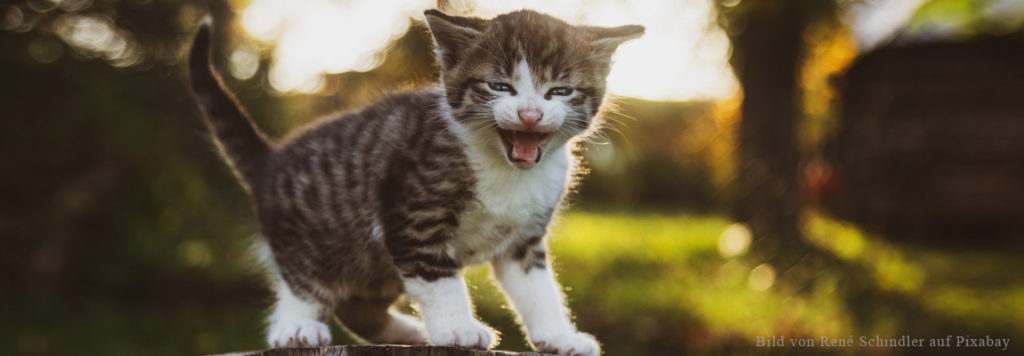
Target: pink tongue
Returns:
[[524, 146]]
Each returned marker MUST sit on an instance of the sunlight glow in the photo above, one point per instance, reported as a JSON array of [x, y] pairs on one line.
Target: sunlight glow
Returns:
[[877, 22], [683, 55], [323, 36]]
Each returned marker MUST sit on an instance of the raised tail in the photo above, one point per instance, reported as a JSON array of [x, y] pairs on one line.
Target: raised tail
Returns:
[[242, 145]]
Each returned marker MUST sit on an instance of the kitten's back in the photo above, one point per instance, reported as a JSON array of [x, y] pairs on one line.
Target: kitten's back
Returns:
[[320, 205]]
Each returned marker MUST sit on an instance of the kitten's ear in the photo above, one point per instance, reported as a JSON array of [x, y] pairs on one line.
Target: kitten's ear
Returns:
[[452, 34], [607, 39]]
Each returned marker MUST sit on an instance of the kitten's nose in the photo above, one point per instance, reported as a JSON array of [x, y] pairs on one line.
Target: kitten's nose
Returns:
[[530, 117]]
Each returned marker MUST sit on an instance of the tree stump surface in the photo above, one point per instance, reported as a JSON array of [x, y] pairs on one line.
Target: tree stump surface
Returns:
[[380, 350]]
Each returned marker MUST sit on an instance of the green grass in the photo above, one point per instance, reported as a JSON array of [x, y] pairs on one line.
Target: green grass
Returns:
[[654, 284], [644, 283]]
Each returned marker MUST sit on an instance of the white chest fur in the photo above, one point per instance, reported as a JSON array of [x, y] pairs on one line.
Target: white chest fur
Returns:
[[509, 202]]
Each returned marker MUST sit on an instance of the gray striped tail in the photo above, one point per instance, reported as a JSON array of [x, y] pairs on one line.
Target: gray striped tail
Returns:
[[244, 147]]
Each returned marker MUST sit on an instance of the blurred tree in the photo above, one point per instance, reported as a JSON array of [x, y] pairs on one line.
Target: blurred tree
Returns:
[[112, 202], [768, 49]]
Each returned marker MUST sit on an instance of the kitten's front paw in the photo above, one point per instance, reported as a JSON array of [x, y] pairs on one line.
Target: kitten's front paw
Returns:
[[567, 344], [298, 333], [469, 334]]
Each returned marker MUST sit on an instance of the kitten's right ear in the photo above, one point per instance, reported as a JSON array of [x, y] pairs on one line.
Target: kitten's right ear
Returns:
[[452, 34]]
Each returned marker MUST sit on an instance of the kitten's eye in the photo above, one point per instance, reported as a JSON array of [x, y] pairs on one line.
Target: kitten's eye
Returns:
[[559, 92], [499, 86]]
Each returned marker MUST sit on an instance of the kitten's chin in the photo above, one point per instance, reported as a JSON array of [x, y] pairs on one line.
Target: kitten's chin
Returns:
[[524, 149]]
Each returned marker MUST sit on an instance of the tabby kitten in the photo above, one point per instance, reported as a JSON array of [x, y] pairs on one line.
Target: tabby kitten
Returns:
[[400, 196]]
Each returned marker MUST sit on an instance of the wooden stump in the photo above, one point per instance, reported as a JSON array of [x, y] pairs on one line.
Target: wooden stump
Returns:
[[380, 350]]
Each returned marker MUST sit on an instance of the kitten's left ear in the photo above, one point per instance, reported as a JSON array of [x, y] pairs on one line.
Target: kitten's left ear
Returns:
[[452, 34], [607, 39]]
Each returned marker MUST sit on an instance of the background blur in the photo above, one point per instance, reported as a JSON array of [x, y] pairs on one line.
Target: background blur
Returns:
[[802, 168]]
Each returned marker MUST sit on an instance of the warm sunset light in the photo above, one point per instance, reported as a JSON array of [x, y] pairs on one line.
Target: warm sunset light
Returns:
[[683, 55], [283, 177]]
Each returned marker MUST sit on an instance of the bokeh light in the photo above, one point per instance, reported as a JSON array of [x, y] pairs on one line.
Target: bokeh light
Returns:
[[734, 240], [762, 277], [96, 35]]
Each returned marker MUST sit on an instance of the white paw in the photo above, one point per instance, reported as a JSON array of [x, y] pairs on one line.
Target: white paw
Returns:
[[298, 333], [402, 329], [467, 334], [567, 344]]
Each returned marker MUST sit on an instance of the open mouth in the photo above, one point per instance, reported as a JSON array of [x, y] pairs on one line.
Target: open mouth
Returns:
[[524, 148]]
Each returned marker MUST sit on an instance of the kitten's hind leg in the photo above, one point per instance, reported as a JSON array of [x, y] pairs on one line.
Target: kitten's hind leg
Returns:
[[296, 321], [375, 321]]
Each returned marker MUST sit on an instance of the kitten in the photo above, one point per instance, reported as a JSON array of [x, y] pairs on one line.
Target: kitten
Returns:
[[400, 196]]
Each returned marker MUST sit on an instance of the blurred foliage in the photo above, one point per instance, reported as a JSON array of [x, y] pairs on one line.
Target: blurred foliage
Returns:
[[124, 233], [965, 18], [831, 48], [685, 153]]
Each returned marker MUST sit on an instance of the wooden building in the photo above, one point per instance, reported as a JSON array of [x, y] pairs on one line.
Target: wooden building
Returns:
[[930, 141]]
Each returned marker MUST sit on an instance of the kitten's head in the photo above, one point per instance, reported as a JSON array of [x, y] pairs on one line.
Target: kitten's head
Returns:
[[524, 81]]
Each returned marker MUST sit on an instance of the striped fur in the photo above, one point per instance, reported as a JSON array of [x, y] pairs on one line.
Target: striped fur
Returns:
[[401, 195]]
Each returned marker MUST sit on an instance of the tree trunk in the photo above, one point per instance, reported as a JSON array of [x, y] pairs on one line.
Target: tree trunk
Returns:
[[767, 40]]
